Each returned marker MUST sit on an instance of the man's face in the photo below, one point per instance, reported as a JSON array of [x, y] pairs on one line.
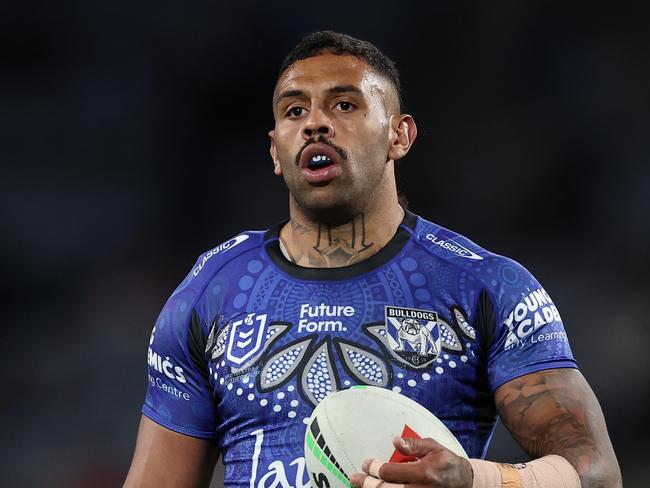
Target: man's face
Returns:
[[332, 135]]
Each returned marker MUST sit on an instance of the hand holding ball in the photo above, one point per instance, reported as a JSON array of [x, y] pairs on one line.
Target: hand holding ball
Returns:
[[350, 426]]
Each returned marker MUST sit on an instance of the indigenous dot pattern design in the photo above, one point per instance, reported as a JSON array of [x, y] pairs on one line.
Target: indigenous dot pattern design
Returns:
[[467, 329], [278, 368], [450, 339], [318, 378], [220, 345], [365, 366], [282, 365]]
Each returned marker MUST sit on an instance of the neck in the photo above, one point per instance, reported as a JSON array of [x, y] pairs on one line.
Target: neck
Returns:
[[313, 244]]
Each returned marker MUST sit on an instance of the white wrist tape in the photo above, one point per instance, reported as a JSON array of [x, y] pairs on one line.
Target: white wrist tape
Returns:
[[547, 472]]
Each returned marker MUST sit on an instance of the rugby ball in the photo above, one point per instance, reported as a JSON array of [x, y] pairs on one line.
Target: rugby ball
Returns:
[[359, 423]]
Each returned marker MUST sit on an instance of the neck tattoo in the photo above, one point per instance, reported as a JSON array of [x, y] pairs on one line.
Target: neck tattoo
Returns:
[[332, 247]]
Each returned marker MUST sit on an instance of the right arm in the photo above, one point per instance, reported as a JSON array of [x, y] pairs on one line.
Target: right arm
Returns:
[[164, 458]]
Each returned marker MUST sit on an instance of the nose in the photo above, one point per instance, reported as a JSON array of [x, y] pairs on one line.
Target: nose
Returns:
[[318, 124]]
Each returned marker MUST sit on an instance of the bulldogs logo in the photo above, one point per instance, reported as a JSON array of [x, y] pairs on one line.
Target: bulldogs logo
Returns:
[[413, 335]]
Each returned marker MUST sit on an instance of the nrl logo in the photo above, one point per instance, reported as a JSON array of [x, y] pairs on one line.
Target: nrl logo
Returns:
[[246, 338], [413, 335]]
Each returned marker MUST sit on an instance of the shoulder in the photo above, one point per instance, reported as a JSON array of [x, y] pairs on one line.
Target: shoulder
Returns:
[[453, 249], [449, 245], [211, 261]]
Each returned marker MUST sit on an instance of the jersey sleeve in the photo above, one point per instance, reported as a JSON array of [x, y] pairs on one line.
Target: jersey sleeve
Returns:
[[529, 335], [178, 392]]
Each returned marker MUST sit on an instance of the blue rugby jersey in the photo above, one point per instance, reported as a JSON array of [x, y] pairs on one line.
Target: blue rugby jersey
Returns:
[[249, 343]]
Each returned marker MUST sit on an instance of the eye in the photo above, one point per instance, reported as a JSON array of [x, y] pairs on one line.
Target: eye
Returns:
[[345, 106], [295, 112]]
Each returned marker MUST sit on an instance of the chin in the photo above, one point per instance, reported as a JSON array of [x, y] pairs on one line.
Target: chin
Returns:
[[329, 211]]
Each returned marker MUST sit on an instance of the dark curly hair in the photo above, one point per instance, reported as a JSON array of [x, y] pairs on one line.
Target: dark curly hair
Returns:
[[328, 41]]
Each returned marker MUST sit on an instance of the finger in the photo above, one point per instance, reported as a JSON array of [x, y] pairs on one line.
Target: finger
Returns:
[[360, 480], [373, 466], [404, 473], [416, 447], [391, 472], [356, 480]]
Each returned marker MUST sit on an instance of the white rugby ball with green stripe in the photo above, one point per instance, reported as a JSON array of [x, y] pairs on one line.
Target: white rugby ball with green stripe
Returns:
[[352, 425]]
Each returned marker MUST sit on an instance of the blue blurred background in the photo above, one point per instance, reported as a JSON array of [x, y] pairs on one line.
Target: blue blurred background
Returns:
[[133, 137]]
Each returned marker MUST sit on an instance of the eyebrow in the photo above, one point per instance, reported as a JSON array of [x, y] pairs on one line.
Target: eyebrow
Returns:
[[334, 89], [346, 89]]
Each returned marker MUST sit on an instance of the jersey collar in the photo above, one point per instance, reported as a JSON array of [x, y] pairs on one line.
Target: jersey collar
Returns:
[[385, 254]]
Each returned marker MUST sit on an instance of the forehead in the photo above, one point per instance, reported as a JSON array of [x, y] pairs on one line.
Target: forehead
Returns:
[[323, 71]]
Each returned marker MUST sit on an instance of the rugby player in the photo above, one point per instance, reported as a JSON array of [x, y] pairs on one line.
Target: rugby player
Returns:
[[268, 323]]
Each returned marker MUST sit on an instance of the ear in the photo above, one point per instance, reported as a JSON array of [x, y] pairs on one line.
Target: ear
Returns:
[[403, 132], [277, 169]]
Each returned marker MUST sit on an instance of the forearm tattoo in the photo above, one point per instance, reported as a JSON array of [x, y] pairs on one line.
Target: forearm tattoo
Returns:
[[555, 412]]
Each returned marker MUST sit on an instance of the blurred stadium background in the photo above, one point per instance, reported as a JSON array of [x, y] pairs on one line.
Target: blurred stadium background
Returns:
[[133, 137]]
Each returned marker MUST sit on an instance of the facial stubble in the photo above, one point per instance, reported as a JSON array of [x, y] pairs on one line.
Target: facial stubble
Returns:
[[339, 201]]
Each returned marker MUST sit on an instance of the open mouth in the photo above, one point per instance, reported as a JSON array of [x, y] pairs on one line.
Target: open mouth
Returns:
[[318, 156], [319, 161], [320, 164]]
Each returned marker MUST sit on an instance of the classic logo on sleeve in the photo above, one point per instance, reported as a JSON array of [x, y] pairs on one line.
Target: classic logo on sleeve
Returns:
[[445, 240], [413, 335], [223, 247], [532, 313]]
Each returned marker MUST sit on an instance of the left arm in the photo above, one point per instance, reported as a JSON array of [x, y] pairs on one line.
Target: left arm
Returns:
[[556, 412], [547, 412]]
